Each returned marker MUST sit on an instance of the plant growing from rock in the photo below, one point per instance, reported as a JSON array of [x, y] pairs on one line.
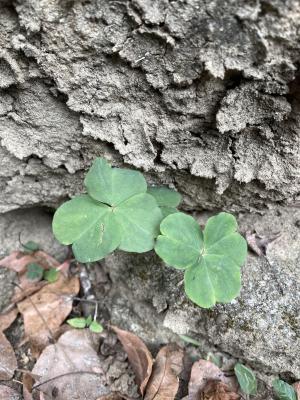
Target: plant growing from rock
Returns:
[[120, 212]]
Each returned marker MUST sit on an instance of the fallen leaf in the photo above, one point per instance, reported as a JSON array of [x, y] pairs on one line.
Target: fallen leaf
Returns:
[[204, 371], [216, 390], [8, 361], [111, 396], [139, 356], [71, 368], [259, 244], [296, 386], [46, 310], [28, 382], [7, 319], [164, 381], [8, 393]]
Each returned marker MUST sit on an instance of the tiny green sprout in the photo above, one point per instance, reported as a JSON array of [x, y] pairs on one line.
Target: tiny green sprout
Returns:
[[34, 272], [190, 340], [246, 379], [81, 323], [211, 259], [283, 390], [31, 246], [78, 323], [51, 275], [214, 359]]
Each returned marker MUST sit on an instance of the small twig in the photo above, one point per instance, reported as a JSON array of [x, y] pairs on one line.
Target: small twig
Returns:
[[62, 376]]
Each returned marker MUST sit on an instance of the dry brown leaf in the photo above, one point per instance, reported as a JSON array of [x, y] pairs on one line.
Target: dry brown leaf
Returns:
[[7, 393], [28, 382], [216, 390], [8, 361], [259, 244], [111, 396], [138, 354], [46, 310], [164, 381], [72, 366], [204, 371], [296, 386], [7, 319]]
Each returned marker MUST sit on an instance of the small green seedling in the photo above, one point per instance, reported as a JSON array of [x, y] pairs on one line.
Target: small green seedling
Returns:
[[31, 246], [81, 323], [120, 212], [283, 390], [246, 379], [211, 259], [116, 213], [35, 273], [190, 340]]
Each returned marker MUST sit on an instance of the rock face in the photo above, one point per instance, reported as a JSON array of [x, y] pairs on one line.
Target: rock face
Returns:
[[203, 96]]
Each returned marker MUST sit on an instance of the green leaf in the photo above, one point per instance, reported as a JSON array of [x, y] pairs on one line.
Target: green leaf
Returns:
[[212, 260], [190, 340], [113, 185], [167, 199], [246, 379], [122, 216], [139, 218], [164, 196], [96, 327], [88, 320], [31, 246], [180, 242], [34, 272], [78, 323], [51, 275], [283, 390], [214, 359]]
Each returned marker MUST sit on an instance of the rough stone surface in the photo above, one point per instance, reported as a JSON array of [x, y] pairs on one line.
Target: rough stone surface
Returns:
[[262, 326], [200, 95]]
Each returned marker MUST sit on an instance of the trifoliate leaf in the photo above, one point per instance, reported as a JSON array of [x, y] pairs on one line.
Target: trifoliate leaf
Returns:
[[120, 215], [283, 390], [167, 199], [212, 259], [78, 323], [246, 379], [31, 246], [34, 272], [51, 275], [96, 327]]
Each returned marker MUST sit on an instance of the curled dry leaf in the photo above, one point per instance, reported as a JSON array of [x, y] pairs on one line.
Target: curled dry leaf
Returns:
[[8, 361], [216, 390], [259, 244], [71, 368], [164, 381], [7, 319], [46, 310], [138, 354], [28, 382], [8, 393], [202, 373]]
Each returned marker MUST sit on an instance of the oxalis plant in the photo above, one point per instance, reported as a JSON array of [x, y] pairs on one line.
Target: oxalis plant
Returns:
[[120, 212]]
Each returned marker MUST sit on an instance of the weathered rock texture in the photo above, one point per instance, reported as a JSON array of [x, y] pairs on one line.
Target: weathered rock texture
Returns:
[[200, 95]]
